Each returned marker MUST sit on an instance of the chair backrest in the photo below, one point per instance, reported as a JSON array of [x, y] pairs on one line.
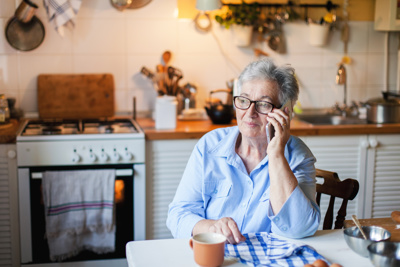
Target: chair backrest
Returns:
[[334, 187]]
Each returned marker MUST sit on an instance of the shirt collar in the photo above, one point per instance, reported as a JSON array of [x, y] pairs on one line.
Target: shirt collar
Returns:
[[227, 145]]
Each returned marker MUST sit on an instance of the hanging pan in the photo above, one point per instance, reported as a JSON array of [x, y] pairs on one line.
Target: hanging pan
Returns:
[[24, 31]]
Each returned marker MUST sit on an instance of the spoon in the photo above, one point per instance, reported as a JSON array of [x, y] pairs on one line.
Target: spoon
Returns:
[[355, 220]]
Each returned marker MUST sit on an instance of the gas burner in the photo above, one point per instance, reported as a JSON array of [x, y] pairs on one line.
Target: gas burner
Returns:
[[109, 129], [53, 123], [108, 126], [51, 127], [51, 130]]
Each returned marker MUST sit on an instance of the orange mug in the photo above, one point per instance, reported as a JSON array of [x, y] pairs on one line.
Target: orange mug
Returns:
[[208, 249]]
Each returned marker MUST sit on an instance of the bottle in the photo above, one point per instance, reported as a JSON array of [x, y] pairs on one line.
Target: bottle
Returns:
[[4, 110]]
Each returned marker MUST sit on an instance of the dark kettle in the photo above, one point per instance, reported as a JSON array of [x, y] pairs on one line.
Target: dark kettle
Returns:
[[220, 113]]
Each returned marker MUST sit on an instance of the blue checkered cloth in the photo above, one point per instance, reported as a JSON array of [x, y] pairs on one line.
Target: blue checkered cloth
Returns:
[[61, 12], [267, 249]]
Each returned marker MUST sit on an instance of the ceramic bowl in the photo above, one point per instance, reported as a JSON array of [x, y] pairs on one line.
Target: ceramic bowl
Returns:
[[384, 254], [358, 244]]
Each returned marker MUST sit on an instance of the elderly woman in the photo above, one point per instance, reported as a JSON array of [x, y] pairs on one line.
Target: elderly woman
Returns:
[[236, 181]]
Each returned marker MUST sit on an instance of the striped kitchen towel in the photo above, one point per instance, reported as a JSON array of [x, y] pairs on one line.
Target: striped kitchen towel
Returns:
[[267, 249], [61, 13], [79, 212]]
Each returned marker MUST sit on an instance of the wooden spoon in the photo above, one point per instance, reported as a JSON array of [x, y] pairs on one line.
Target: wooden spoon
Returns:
[[166, 57], [161, 82], [396, 216], [355, 220]]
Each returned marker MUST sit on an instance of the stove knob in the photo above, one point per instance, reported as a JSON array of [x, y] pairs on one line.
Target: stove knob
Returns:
[[127, 156], [103, 157], [76, 158], [92, 157], [115, 156]]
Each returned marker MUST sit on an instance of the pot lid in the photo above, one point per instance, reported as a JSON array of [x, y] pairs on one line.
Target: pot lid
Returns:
[[385, 102]]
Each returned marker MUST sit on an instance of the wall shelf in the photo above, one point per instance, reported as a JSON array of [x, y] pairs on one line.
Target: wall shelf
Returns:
[[329, 5]]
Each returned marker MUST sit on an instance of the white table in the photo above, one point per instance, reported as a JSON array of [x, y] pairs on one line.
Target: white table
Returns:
[[177, 252]]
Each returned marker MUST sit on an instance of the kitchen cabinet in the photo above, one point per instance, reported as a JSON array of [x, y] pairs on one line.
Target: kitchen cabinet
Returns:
[[373, 160], [382, 176], [345, 156], [387, 15], [165, 162], [9, 237]]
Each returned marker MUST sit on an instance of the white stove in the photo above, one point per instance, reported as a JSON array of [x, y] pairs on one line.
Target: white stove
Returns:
[[80, 144]]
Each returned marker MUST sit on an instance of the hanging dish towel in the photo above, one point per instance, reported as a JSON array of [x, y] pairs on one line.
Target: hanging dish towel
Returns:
[[79, 208], [61, 12], [267, 249]]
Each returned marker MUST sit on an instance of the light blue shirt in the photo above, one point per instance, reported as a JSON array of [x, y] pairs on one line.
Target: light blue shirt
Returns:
[[215, 184]]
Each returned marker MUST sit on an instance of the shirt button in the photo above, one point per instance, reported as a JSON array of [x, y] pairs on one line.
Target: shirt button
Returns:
[[265, 194], [249, 182], [276, 219], [215, 191], [284, 228]]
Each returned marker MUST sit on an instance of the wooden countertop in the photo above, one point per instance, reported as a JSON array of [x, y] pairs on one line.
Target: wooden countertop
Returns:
[[386, 223], [196, 129]]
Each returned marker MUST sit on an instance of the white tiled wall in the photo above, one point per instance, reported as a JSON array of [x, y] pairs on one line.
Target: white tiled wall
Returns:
[[107, 40]]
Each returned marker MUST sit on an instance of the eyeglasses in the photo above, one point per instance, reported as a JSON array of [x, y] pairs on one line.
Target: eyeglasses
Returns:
[[262, 107]]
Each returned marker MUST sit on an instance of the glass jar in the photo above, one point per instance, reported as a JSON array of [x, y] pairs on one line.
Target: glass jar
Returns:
[[4, 110]]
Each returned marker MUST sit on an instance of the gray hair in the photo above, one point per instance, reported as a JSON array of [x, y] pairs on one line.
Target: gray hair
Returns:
[[265, 69]]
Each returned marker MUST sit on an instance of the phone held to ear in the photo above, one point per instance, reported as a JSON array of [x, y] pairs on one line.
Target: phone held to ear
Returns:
[[270, 129]]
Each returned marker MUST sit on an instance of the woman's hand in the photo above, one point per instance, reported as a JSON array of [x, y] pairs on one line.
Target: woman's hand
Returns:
[[225, 226], [228, 227], [282, 179], [280, 120]]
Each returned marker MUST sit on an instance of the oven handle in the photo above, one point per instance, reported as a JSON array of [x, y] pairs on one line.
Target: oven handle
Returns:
[[118, 173]]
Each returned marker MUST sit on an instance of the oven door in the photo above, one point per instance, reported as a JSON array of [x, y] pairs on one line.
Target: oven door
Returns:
[[128, 183]]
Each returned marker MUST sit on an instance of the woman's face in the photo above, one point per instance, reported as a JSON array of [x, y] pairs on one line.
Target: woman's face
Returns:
[[251, 123]]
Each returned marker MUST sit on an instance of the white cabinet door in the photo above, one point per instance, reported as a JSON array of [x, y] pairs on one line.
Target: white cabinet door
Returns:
[[9, 237], [382, 176], [166, 160], [344, 155]]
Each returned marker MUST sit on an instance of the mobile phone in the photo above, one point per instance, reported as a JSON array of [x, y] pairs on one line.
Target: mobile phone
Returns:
[[270, 129]]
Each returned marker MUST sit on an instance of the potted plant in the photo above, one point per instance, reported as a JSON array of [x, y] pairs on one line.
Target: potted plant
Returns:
[[242, 18], [319, 31]]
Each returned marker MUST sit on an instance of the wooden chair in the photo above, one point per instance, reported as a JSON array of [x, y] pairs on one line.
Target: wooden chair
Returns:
[[333, 186]]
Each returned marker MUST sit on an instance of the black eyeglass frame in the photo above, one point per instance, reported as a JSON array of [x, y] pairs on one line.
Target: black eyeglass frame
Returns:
[[255, 104]]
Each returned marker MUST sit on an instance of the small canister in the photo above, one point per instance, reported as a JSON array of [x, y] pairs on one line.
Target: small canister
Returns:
[[4, 110], [165, 112]]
